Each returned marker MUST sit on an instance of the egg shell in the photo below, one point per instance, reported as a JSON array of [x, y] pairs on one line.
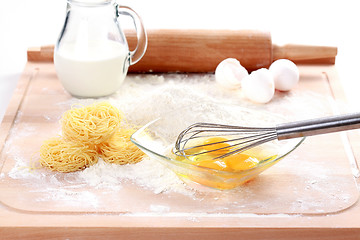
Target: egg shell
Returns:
[[229, 73], [259, 86], [285, 73]]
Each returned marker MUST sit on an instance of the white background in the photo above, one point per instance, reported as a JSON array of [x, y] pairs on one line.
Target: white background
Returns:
[[27, 23]]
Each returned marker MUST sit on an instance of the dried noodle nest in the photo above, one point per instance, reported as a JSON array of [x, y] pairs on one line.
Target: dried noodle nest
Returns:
[[119, 150], [88, 131], [92, 124], [60, 155]]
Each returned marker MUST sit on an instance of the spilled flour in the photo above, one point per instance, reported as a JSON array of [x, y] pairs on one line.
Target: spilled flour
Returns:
[[149, 186], [148, 174]]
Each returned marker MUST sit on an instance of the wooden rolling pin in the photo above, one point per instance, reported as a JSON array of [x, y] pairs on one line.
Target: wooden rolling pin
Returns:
[[202, 50]]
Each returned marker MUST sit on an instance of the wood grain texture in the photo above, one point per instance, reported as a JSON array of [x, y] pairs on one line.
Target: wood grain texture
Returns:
[[176, 50], [203, 50], [20, 224], [33, 233]]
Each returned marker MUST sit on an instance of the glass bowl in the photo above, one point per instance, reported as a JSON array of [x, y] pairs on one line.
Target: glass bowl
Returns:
[[157, 139]]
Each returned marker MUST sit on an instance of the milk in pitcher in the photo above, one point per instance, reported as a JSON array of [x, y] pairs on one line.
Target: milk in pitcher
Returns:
[[93, 69]]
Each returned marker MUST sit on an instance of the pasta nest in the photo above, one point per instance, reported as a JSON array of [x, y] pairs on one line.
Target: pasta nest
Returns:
[[119, 150], [87, 133], [61, 155], [92, 124]]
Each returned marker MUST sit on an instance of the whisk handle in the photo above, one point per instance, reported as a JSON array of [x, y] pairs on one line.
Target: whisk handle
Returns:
[[318, 126]]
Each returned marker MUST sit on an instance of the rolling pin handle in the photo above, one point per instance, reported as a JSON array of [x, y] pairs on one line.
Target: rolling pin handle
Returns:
[[303, 52]]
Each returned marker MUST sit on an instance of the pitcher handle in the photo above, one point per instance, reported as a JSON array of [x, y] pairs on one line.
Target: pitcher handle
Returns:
[[141, 46]]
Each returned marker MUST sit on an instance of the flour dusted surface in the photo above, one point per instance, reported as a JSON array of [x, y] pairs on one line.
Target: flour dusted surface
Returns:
[[151, 187], [148, 174]]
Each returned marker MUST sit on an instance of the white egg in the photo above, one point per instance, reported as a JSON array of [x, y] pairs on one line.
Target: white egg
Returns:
[[259, 86], [285, 73], [229, 73]]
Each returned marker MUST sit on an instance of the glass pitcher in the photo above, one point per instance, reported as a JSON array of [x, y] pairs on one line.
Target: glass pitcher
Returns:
[[92, 56]]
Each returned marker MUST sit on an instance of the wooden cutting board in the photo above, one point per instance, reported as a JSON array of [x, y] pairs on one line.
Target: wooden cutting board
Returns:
[[334, 213]]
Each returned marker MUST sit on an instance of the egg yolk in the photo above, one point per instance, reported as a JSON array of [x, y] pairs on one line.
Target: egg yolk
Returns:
[[206, 156], [209, 148], [208, 153], [217, 145], [240, 162], [236, 162], [214, 146], [214, 164]]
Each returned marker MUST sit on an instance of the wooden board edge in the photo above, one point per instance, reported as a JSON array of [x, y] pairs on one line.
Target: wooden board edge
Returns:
[[175, 232], [352, 137], [114, 233], [11, 112]]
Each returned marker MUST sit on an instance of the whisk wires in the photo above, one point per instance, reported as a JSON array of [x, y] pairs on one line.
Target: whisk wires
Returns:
[[229, 139]]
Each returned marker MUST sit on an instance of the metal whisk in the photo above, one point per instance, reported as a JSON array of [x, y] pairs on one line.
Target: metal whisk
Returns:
[[239, 139]]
